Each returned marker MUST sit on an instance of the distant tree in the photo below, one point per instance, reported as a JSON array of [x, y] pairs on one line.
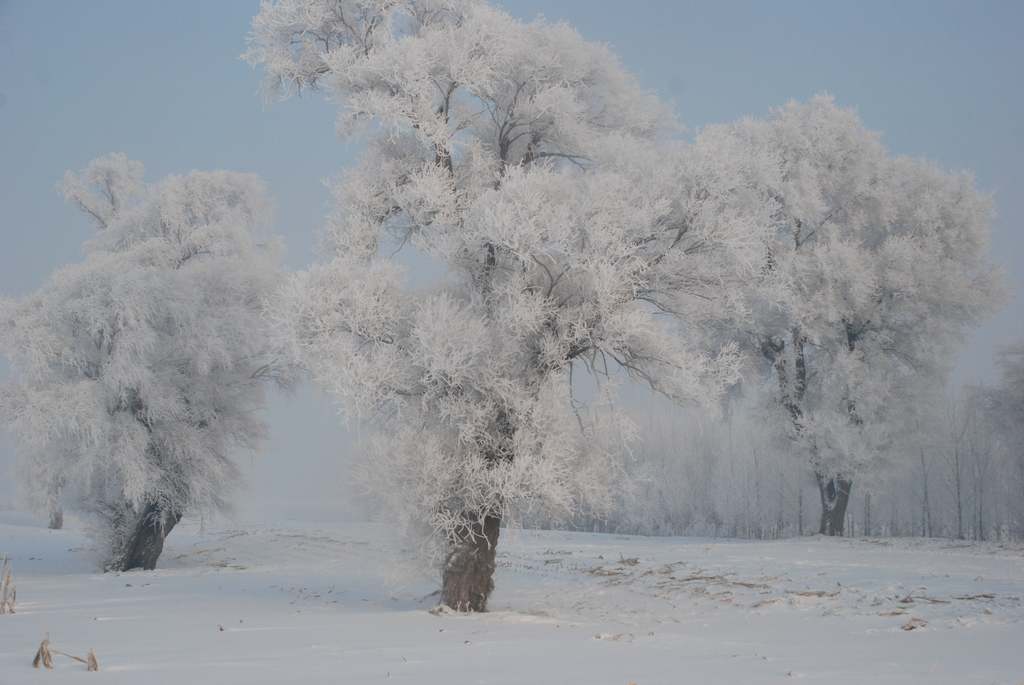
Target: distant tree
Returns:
[[530, 164], [1005, 410], [875, 267], [1008, 394], [139, 369]]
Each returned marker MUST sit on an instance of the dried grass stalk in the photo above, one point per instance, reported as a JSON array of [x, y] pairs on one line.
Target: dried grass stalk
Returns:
[[43, 656]]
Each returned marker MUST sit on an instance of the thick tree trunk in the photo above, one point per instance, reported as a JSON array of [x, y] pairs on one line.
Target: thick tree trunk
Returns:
[[468, 574], [143, 541], [56, 518], [835, 495]]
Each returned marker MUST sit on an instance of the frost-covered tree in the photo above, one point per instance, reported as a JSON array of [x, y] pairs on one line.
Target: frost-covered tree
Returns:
[[1008, 395], [532, 166], [1004, 405], [137, 371], [875, 267]]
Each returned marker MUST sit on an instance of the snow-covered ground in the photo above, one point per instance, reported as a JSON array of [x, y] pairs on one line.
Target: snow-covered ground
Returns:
[[310, 604]]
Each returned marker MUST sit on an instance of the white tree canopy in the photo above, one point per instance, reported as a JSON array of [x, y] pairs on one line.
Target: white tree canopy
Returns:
[[140, 369], [538, 171], [875, 267]]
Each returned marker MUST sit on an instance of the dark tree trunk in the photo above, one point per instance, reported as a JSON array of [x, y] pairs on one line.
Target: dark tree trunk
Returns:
[[867, 514], [835, 495], [926, 509], [53, 504], [959, 495], [800, 511], [144, 539], [468, 576]]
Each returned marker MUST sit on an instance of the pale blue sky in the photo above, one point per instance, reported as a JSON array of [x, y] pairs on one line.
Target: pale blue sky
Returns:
[[162, 82]]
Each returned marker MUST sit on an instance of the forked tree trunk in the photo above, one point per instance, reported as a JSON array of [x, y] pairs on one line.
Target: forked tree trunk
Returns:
[[56, 518], [835, 495], [468, 575], [143, 541]]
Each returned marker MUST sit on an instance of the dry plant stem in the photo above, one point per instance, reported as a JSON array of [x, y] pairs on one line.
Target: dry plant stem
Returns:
[[44, 656]]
